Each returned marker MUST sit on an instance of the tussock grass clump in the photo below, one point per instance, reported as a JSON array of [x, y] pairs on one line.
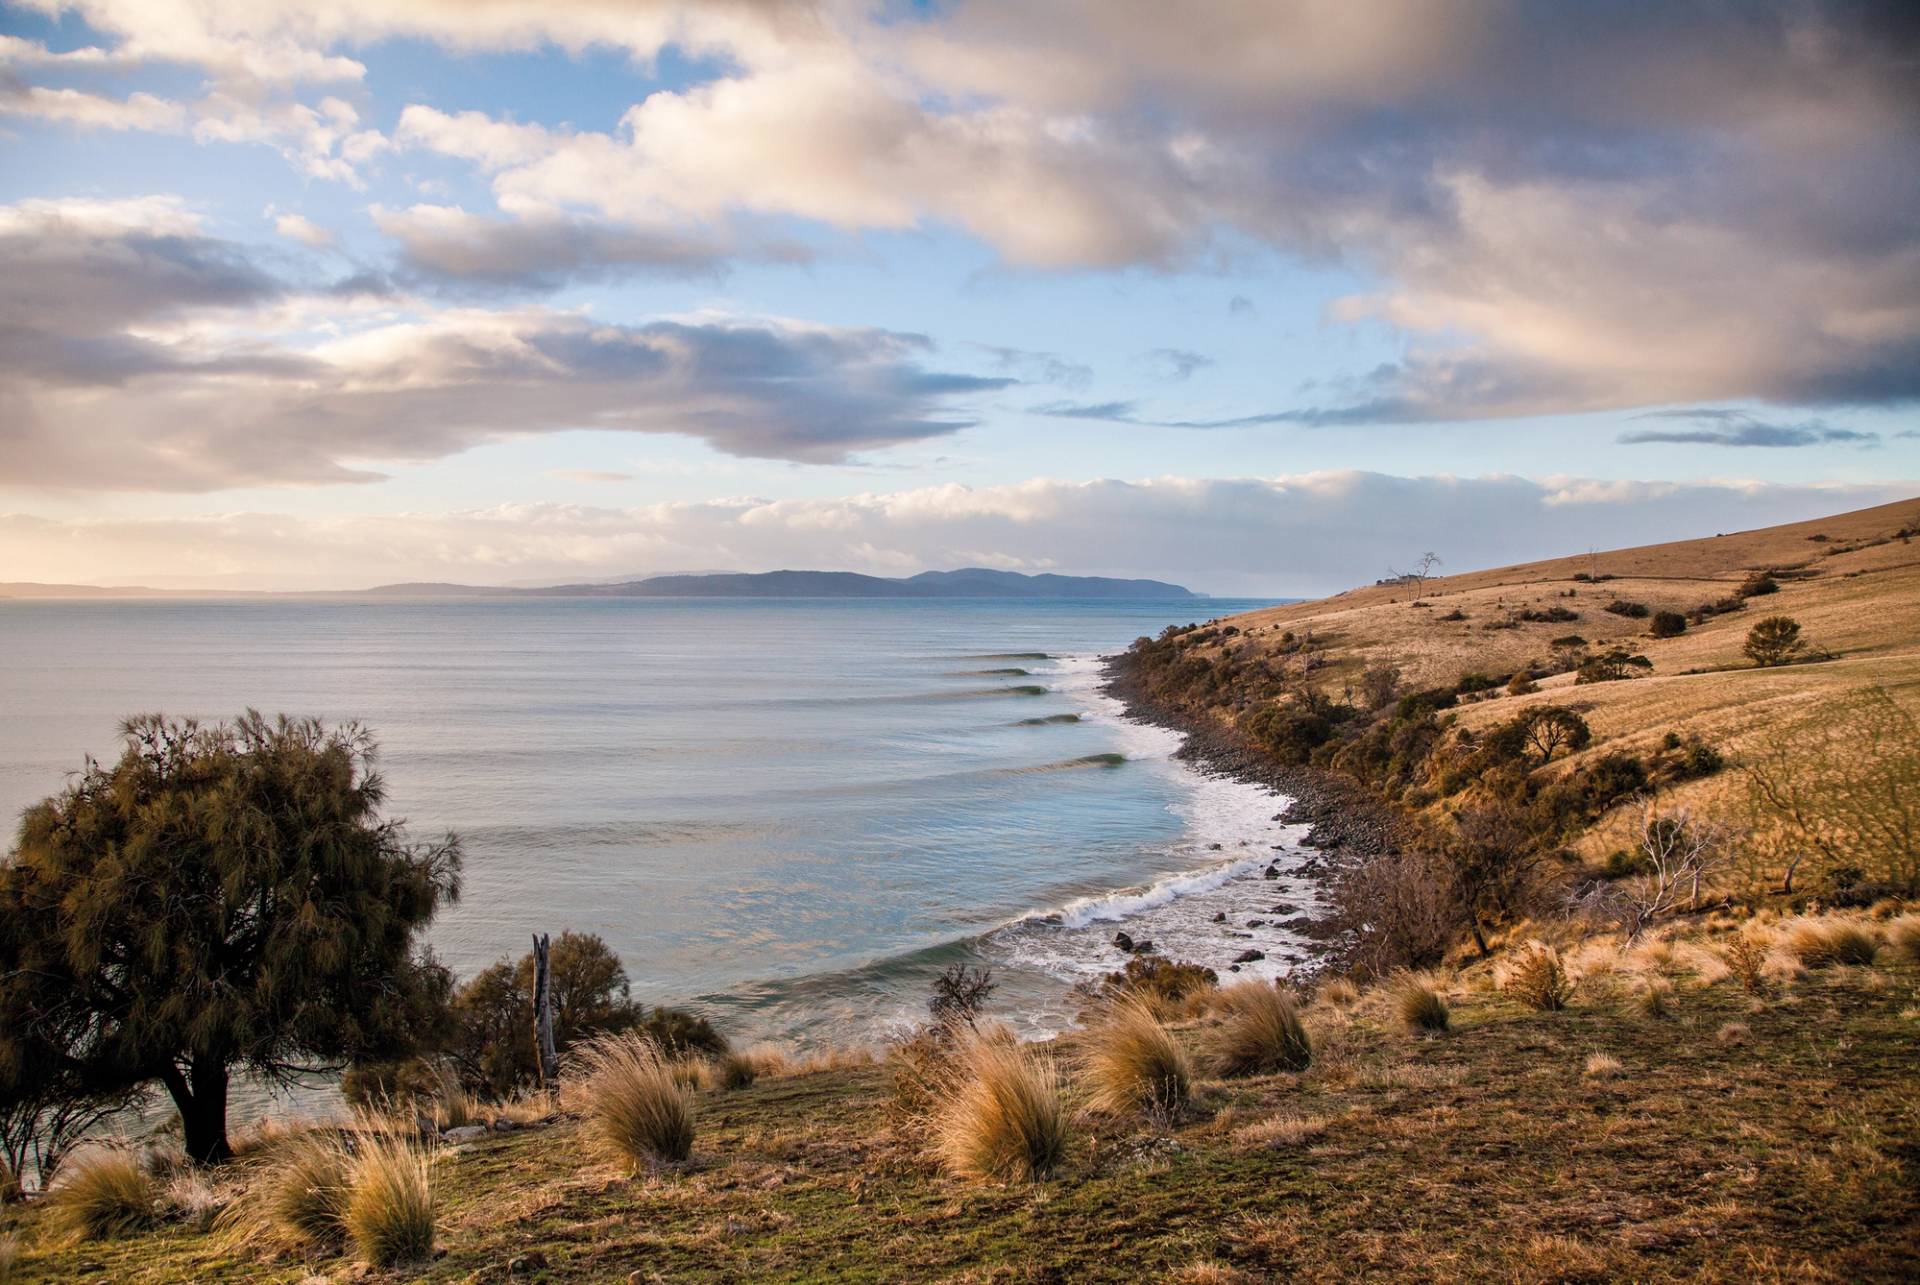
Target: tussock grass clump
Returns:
[[1281, 1131], [298, 1201], [634, 1101], [735, 1071], [1656, 1000], [692, 1072], [1537, 979], [1133, 1063], [390, 1203], [1903, 934], [1340, 992], [1003, 1117], [1821, 944], [9, 1260], [1735, 1033], [1262, 1033], [1602, 1066], [1419, 1004], [106, 1193]]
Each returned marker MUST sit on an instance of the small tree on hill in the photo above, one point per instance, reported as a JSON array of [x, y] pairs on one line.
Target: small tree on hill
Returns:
[[222, 897], [1774, 641]]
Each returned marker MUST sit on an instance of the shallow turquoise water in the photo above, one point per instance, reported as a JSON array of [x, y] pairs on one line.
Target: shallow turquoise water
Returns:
[[785, 813]]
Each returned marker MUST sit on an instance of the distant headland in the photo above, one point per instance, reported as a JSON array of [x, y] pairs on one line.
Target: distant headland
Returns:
[[967, 582]]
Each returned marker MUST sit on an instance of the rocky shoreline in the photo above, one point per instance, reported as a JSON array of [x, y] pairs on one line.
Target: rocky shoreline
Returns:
[[1346, 824]]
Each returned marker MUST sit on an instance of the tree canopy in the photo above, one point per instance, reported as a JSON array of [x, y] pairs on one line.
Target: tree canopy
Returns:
[[222, 897]]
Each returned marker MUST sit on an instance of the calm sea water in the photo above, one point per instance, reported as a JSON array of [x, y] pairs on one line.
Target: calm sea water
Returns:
[[786, 814]]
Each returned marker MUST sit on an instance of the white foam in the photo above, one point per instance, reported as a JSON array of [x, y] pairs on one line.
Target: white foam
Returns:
[[1230, 838]]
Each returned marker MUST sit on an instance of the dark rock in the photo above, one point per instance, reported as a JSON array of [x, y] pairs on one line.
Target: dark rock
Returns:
[[1255, 923], [1233, 968], [1213, 847], [1272, 872], [527, 1264], [1143, 948], [1219, 916], [1249, 956], [1283, 908], [1124, 941]]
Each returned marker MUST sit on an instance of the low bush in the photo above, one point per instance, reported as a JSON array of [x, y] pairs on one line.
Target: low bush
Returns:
[[1262, 1033], [1419, 1004], [1133, 1063], [296, 1202], [1611, 666], [634, 1103], [1548, 615], [735, 1071], [1157, 979], [390, 1203], [1759, 584], [1522, 684], [1747, 962], [1002, 1117], [1656, 999], [1631, 610], [1774, 641], [1538, 979], [102, 1194], [1667, 624]]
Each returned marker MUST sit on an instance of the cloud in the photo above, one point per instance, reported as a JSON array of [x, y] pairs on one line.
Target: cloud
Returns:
[[298, 227], [588, 475], [1301, 534], [192, 368], [1175, 364], [449, 246], [96, 111], [1039, 367], [1739, 428]]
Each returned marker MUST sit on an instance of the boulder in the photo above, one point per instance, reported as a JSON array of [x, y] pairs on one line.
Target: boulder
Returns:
[[466, 1133], [1124, 941], [1249, 956]]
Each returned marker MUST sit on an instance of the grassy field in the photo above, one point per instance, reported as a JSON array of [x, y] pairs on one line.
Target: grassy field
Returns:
[[1732, 1137]]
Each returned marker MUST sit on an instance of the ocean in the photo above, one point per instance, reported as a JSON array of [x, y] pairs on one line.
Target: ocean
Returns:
[[787, 815]]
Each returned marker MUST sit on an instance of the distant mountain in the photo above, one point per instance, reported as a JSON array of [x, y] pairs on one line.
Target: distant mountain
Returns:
[[969, 582]]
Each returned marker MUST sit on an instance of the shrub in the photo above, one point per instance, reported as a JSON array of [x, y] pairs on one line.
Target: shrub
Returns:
[[1157, 978], [634, 1103], [1774, 641], [1820, 944], [390, 1203], [104, 1194], [1002, 1116], [1657, 999], [959, 994], [1472, 683], [1262, 1033], [1757, 585], [1522, 684], [1611, 666], [1134, 1064], [1420, 1005], [1550, 615], [1379, 686], [1747, 962], [1631, 610], [1667, 624], [1290, 733], [1537, 979]]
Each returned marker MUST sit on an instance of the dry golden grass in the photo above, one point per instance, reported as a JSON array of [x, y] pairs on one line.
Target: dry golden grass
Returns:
[[1280, 1131], [1602, 1066], [1339, 992], [1655, 998], [1746, 960], [1131, 1062], [1003, 1117], [639, 1109], [1734, 1033], [735, 1070], [1903, 935], [1208, 1272], [297, 1199], [1261, 1033], [692, 1072], [1419, 1004], [1536, 977], [389, 1214], [1821, 943], [99, 1194], [9, 1260]]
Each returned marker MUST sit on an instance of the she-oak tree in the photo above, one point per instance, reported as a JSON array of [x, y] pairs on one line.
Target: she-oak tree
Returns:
[[222, 897]]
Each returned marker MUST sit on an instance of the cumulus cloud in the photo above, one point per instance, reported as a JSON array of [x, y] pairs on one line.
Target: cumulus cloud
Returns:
[[447, 245], [298, 227], [1719, 427], [1305, 534], [187, 366]]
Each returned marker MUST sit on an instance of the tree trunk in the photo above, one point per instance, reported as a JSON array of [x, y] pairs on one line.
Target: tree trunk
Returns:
[[543, 1049], [201, 1098]]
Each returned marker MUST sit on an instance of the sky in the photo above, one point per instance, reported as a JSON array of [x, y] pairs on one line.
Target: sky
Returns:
[[1262, 298]]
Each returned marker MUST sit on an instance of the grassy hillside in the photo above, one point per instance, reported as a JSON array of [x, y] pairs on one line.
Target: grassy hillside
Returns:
[[1730, 1137]]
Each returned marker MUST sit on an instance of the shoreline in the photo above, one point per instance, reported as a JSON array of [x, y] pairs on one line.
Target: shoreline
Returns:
[[1346, 825]]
